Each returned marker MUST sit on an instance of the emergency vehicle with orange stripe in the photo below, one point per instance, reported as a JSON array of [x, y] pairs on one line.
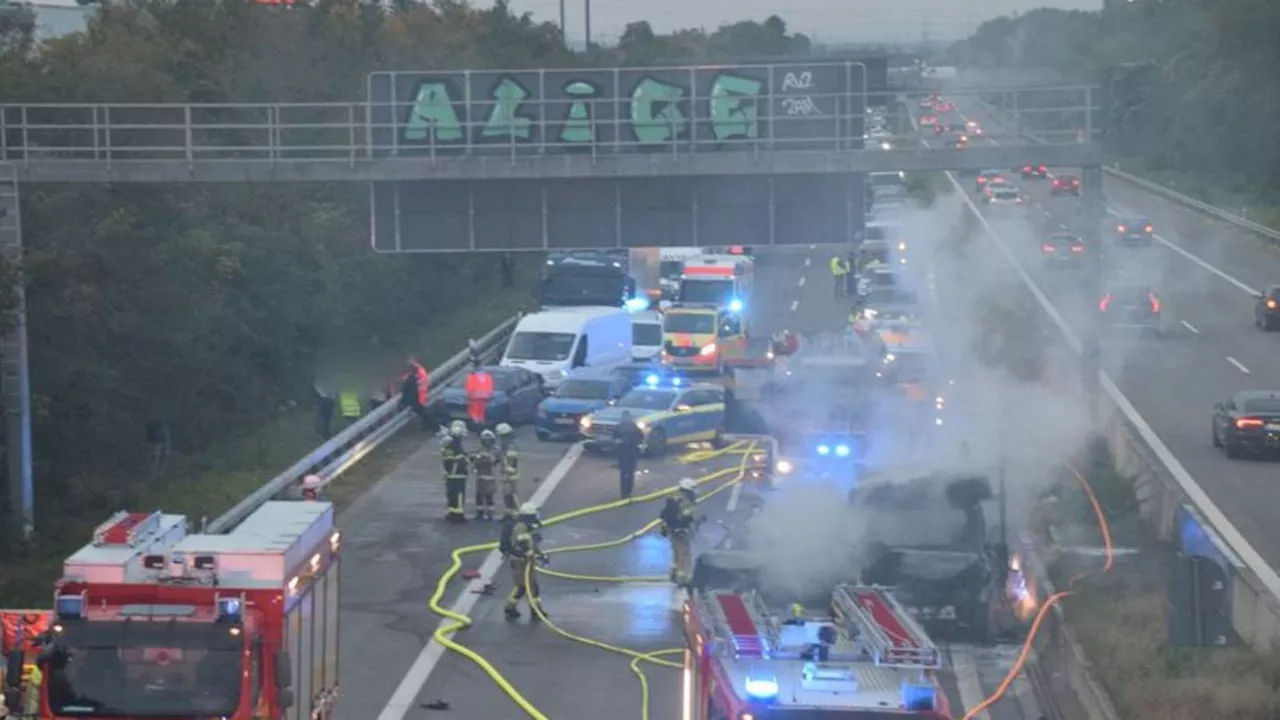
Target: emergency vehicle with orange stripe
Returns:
[[152, 621], [722, 281], [908, 363], [863, 658]]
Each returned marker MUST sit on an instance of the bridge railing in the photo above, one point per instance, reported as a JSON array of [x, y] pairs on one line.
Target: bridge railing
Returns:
[[352, 444], [356, 131]]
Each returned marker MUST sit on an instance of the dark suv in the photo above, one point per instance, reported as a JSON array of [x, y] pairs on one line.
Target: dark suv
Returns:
[[1131, 307], [1065, 185], [1135, 231], [1266, 314]]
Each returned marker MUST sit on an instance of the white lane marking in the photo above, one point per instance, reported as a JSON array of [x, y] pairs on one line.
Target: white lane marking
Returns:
[[794, 304], [807, 261], [1062, 226], [1239, 365], [1199, 498], [734, 495], [1190, 327], [1205, 264], [403, 699], [971, 695], [801, 283]]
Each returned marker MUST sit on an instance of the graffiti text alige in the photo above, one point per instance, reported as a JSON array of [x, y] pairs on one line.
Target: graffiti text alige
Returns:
[[652, 110]]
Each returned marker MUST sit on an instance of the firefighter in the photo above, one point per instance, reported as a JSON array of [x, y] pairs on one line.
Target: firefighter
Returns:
[[486, 461], [520, 544], [456, 467], [479, 392], [32, 679], [678, 524], [312, 487], [510, 457], [838, 271]]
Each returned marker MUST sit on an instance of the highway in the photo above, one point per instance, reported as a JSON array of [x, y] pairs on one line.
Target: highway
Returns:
[[1206, 272], [397, 545]]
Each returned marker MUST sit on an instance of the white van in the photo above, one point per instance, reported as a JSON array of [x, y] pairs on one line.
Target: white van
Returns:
[[553, 342], [646, 335]]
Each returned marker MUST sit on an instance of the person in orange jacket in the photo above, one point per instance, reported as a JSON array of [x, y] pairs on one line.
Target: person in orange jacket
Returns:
[[414, 387], [479, 393]]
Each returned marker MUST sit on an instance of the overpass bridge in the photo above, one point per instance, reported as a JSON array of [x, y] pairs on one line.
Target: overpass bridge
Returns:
[[526, 160]]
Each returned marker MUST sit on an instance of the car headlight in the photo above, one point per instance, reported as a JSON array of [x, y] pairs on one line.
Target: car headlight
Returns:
[[585, 422], [783, 467], [902, 247], [886, 146], [709, 350], [644, 426]]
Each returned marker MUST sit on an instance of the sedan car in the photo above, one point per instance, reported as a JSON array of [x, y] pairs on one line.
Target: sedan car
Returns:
[[986, 177], [516, 394], [1131, 307], [928, 120], [1063, 250], [1003, 196], [1266, 314], [585, 391], [1134, 231], [667, 414], [1248, 422], [1035, 171], [1065, 185]]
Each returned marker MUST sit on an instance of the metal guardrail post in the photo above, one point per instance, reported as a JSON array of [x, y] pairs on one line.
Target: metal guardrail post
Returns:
[[186, 124], [356, 441]]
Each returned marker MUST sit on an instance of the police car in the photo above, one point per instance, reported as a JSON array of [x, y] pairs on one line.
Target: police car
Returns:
[[668, 413]]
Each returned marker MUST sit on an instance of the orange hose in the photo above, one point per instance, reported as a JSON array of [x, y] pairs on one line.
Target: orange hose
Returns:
[[1052, 599]]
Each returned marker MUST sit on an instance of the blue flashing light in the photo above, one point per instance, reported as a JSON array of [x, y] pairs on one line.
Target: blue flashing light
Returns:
[[919, 697], [762, 688], [824, 449], [842, 450], [229, 609], [69, 607], [677, 382], [735, 305], [651, 380]]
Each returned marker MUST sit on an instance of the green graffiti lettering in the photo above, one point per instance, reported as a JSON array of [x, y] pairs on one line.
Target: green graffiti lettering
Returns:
[[433, 108], [577, 122], [655, 116], [504, 120], [734, 109]]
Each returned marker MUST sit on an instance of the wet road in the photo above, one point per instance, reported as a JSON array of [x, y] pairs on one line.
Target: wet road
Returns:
[[1206, 272]]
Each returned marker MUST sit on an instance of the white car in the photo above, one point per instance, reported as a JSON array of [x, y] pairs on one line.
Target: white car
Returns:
[[1003, 196]]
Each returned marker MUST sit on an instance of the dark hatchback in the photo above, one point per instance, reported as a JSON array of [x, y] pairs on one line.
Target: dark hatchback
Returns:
[[1131, 307], [1136, 231], [1266, 313], [1035, 171], [1248, 423], [1063, 250]]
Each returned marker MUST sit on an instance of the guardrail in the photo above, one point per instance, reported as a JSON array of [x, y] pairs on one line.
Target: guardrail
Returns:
[[1156, 188], [352, 444]]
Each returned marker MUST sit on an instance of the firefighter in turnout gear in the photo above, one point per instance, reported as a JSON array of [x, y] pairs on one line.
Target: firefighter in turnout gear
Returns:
[[486, 461], [519, 544], [678, 524], [510, 458], [456, 467]]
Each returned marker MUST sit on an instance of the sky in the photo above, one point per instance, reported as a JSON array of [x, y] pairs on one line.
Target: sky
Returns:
[[830, 21]]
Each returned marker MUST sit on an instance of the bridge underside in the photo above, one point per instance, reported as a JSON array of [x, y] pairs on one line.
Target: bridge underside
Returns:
[[489, 167]]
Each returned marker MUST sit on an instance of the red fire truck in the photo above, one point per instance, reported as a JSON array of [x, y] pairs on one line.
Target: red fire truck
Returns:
[[864, 660], [150, 621]]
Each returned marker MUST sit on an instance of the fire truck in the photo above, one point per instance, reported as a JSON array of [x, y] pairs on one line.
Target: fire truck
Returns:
[[151, 621], [863, 659]]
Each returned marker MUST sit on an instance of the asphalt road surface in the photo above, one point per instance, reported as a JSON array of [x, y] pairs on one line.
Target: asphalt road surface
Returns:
[[397, 545], [1207, 273]]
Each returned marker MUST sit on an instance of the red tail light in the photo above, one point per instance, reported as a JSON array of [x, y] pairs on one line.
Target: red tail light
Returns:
[[1057, 183], [1244, 423], [981, 180], [1148, 228], [1044, 169], [1076, 183], [1077, 248], [1047, 248], [1026, 168], [1119, 228], [1271, 304], [1155, 302], [1106, 302]]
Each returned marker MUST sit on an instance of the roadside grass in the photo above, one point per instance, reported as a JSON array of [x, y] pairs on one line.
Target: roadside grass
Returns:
[[1121, 618], [1260, 204], [205, 484]]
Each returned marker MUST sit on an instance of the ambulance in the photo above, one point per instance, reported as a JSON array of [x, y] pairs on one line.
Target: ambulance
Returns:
[[723, 281], [701, 338], [671, 262]]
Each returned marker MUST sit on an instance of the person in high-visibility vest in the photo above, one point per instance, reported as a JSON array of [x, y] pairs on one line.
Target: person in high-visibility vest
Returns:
[[32, 679], [486, 460], [479, 393], [838, 271], [457, 466], [414, 391], [349, 405]]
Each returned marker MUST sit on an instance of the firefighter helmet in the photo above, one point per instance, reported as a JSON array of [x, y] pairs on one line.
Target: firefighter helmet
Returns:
[[457, 428], [529, 509], [504, 429], [688, 484], [487, 435]]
